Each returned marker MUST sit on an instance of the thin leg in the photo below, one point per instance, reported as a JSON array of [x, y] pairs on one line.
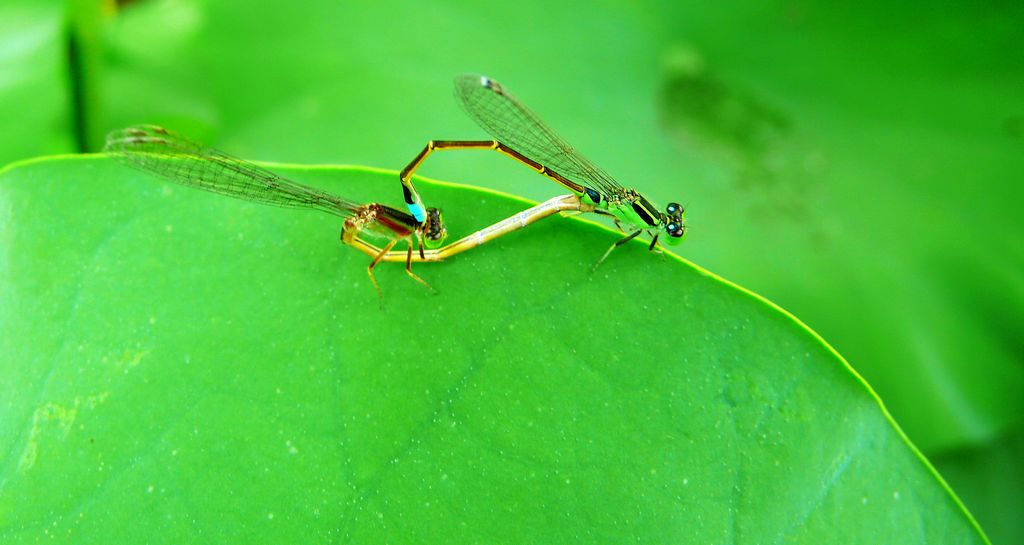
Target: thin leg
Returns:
[[654, 242], [654, 246], [408, 267], [618, 224], [618, 243], [369, 270], [412, 197]]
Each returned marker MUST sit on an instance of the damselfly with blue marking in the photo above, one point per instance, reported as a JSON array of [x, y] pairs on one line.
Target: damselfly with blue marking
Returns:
[[520, 134], [159, 151]]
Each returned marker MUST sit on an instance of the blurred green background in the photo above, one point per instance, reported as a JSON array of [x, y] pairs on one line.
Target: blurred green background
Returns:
[[858, 165]]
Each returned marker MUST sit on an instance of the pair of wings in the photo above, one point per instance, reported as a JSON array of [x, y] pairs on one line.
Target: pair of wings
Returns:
[[492, 107], [164, 153]]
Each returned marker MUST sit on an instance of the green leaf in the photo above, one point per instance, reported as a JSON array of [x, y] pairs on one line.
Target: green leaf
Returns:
[[180, 364], [35, 97]]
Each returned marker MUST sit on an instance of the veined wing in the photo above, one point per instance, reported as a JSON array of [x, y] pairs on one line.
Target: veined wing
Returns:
[[164, 153], [510, 122]]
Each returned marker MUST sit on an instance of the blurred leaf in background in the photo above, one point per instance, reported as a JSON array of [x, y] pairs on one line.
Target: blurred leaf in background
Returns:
[[36, 93], [859, 170]]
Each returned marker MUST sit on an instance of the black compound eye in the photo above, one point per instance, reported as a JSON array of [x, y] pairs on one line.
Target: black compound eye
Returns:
[[674, 208], [435, 225]]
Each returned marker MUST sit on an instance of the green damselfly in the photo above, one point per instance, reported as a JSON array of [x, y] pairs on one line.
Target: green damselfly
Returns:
[[520, 134]]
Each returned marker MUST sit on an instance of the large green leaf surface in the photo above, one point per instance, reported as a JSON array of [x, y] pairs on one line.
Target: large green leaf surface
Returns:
[[179, 364], [857, 169]]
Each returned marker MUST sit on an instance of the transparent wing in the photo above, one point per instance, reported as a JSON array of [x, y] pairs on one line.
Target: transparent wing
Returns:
[[513, 124], [164, 153]]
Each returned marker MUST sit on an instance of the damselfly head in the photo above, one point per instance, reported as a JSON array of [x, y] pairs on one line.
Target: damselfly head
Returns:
[[434, 231], [675, 222]]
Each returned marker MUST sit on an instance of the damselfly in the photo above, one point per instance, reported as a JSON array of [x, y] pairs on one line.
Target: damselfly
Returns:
[[164, 153], [520, 134]]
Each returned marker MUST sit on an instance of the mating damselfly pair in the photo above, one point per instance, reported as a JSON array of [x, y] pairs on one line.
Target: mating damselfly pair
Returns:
[[518, 133]]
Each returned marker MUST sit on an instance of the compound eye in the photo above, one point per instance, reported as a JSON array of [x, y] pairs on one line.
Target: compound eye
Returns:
[[674, 209], [435, 225], [675, 230]]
